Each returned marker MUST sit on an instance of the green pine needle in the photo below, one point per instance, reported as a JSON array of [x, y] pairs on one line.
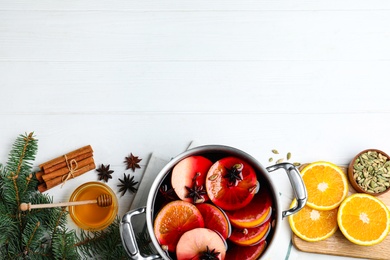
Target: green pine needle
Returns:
[[104, 244], [42, 233], [33, 234]]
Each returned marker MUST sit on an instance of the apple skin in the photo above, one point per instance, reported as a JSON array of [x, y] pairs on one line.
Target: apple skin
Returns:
[[184, 175], [193, 243]]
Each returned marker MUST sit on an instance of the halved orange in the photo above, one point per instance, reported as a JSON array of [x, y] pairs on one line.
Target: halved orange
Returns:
[[326, 184], [173, 220], [250, 236], [364, 219], [313, 225]]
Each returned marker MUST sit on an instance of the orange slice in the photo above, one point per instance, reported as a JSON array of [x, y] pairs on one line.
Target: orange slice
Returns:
[[173, 220], [326, 184], [255, 213], [215, 219], [254, 252], [313, 225], [250, 236], [364, 219]]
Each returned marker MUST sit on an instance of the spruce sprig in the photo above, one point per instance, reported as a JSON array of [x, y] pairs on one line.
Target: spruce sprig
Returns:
[[105, 244], [145, 242], [37, 234], [42, 233]]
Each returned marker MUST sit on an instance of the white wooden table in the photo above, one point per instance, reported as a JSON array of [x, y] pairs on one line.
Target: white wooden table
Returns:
[[143, 77]]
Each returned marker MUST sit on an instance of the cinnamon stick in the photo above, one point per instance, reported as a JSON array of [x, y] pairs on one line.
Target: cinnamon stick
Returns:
[[70, 156], [51, 168], [38, 175], [65, 167], [64, 170], [42, 187], [60, 179]]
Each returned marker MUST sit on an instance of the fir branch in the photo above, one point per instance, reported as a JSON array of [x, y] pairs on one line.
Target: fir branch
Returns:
[[29, 179], [37, 234], [31, 235], [63, 241], [105, 244], [59, 221], [21, 154], [42, 234], [18, 167], [144, 242], [7, 227], [14, 177]]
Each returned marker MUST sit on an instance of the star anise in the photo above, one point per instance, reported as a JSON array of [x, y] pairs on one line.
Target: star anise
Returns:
[[168, 194], [234, 174], [104, 172], [196, 192], [209, 254], [127, 183], [132, 162]]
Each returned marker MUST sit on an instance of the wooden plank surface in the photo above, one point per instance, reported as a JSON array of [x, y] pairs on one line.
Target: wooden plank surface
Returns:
[[97, 36], [178, 5], [339, 245], [147, 76]]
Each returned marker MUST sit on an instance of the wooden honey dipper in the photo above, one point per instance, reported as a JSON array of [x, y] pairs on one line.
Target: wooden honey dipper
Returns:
[[103, 200]]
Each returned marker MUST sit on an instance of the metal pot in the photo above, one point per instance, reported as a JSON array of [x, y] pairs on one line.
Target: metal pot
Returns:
[[213, 152]]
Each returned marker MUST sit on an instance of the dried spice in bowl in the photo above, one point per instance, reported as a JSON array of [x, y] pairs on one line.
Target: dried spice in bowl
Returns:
[[369, 172]]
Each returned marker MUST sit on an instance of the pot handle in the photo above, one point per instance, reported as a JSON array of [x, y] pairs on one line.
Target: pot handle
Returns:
[[297, 184], [129, 240]]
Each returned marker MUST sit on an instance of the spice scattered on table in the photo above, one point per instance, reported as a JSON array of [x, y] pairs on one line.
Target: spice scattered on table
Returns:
[[127, 184], [280, 160], [104, 172], [132, 162]]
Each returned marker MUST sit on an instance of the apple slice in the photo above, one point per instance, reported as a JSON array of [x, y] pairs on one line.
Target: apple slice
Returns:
[[188, 178], [201, 243]]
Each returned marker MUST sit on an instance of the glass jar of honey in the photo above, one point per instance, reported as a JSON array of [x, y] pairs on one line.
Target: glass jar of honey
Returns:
[[92, 217]]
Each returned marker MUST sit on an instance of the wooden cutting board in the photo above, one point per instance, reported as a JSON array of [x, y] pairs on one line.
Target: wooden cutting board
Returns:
[[339, 245]]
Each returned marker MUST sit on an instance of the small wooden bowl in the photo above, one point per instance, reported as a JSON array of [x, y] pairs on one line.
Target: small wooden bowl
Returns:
[[353, 181]]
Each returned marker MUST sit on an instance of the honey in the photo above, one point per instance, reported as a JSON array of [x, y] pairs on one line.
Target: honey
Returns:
[[92, 217]]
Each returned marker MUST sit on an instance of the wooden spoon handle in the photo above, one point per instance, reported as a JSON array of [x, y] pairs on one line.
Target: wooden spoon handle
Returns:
[[29, 206], [103, 200]]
